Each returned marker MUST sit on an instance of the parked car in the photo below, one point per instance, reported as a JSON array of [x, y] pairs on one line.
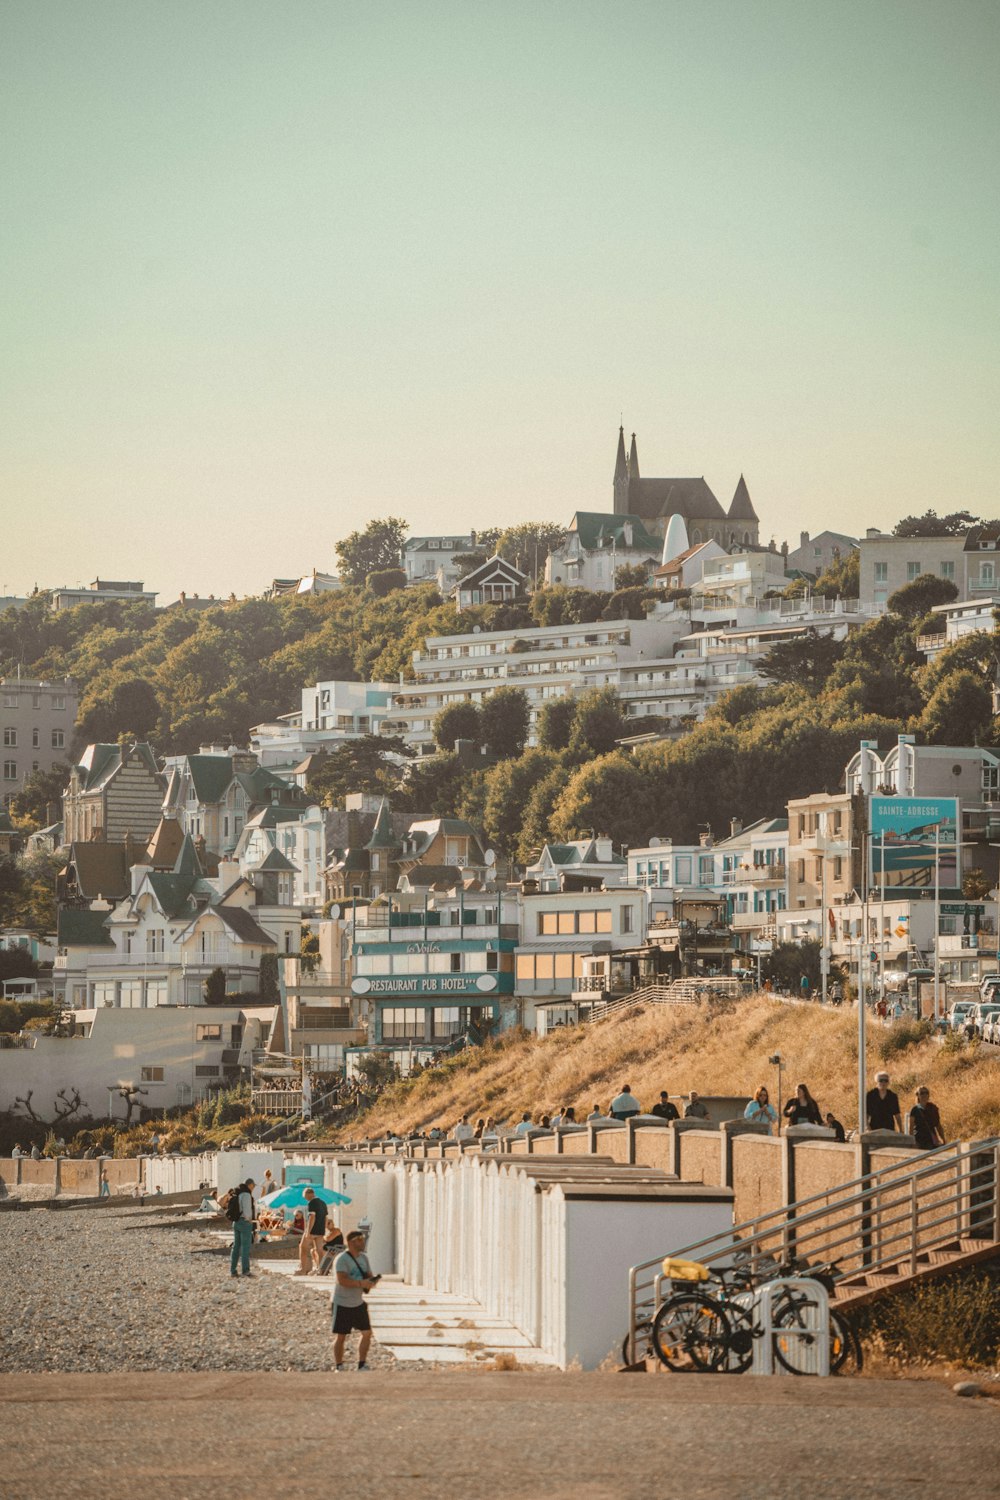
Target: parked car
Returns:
[[991, 1028], [989, 981], [959, 1013]]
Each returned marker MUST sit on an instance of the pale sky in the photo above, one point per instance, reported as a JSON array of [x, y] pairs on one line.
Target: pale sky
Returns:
[[271, 269]]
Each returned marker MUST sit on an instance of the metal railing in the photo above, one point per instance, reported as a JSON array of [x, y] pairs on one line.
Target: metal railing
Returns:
[[889, 1222], [651, 994]]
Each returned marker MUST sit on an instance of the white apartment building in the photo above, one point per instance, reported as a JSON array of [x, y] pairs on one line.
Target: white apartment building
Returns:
[[430, 559], [815, 554], [174, 1055], [961, 618], [548, 661], [887, 562], [331, 713], [736, 578], [36, 728], [751, 871], [102, 591], [292, 842]]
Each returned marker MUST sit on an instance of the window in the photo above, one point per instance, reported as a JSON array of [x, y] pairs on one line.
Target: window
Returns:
[[206, 1070], [154, 940], [152, 1075], [838, 867], [59, 701], [445, 1022], [881, 572], [36, 739], [208, 1033], [456, 962], [402, 1022], [912, 571], [327, 1056], [10, 700], [986, 572], [36, 700], [58, 739], [947, 570], [492, 961], [10, 737], [532, 966], [10, 770], [626, 919]]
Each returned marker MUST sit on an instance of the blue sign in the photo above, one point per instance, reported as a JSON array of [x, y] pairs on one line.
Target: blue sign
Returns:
[[915, 842]]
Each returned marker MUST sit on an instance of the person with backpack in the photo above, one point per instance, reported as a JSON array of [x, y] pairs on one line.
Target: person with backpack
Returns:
[[242, 1214]]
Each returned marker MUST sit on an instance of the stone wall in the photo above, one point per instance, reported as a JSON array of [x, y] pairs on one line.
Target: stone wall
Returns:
[[701, 1157]]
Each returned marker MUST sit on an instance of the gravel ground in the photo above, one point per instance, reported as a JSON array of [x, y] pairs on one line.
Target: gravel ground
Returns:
[[119, 1289]]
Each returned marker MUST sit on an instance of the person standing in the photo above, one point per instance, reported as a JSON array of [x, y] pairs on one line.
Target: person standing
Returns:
[[243, 1215], [625, 1104], [313, 1233], [802, 1108], [760, 1110], [882, 1106], [695, 1109], [832, 1123], [354, 1278], [664, 1110], [925, 1121], [463, 1130]]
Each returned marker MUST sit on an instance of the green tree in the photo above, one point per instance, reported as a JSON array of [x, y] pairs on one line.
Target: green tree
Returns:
[[555, 723], [39, 801], [959, 711], [528, 545], [629, 603], [215, 987], [128, 707], [378, 547], [931, 524], [504, 719], [599, 722], [267, 986], [787, 963], [976, 885], [842, 579], [915, 598], [632, 576], [611, 795], [535, 827], [457, 721], [805, 661], [509, 786], [436, 786], [362, 765], [385, 582]]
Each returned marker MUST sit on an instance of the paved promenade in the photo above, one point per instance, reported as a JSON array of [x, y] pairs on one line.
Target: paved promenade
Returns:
[[481, 1436]]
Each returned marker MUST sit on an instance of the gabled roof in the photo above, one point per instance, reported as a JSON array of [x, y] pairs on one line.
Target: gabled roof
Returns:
[[422, 833], [493, 567], [978, 535], [690, 498], [187, 864], [599, 529], [101, 870], [243, 926], [172, 892], [276, 863], [165, 844], [210, 776], [438, 876], [741, 508], [82, 928], [577, 852], [382, 834], [100, 762]]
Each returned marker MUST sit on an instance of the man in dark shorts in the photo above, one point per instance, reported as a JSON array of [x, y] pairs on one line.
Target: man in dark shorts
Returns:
[[313, 1234], [354, 1278]]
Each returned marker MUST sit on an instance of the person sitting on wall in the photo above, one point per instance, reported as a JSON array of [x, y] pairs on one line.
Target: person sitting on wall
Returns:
[[625, 1104], [832, 1123]]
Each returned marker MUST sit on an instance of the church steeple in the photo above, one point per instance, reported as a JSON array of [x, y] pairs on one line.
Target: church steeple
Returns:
[[621, 477], [633, 460]]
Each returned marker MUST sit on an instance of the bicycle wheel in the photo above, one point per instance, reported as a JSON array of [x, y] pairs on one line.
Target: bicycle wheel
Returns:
[[643, 1341], [739, 1346], [792, 1346], [691, 1332]]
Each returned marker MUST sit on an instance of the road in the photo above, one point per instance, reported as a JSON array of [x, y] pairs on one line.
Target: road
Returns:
[[493, 1436]]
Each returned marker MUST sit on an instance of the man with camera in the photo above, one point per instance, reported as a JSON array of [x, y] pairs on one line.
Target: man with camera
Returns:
[[354, 1278]]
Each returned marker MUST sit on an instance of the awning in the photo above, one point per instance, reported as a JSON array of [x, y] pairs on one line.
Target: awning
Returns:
[[568, 945]]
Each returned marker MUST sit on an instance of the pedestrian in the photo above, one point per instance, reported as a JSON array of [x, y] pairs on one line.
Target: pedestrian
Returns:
[[695, 1109], [525, 1124], [831, 1121], [333, 1245], [36, 1155], [804, 986], [882, 1106], [664, 1110], [354, 1278], [802, 1108], [313, 1233], [243, 1214], [925, 1121], [17, 1153], [760, 1110], [480, 1129], [154, 1143], [268, 1185], [569, 1115], [625, 1104], [556, 1119], [463, 1130]]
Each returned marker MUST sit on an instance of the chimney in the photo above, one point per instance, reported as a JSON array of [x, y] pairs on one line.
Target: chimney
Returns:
[[735, 827], [245, 761], [136, 875], [873, 531], [803, 538], [603, 848]]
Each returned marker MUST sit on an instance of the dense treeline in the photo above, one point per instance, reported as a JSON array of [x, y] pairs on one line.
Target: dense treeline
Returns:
[[185, 676]]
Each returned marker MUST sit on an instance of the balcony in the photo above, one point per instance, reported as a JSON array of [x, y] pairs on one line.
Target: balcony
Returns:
[[750, 921]]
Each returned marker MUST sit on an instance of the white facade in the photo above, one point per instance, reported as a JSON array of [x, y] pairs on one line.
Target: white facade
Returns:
[[427, 557], [738, 577], [302, 841], [175, 1055], [888, 562], [331, 713]]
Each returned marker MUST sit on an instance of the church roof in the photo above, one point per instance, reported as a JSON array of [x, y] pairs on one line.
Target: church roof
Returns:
[[741, 508], [621, 462], [691, 498]]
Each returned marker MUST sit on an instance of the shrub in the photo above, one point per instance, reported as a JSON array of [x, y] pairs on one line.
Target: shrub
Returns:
[[957, 1320], [901, 1036]]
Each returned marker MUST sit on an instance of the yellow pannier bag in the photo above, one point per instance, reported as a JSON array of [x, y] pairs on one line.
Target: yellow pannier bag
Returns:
[[685, 1270]]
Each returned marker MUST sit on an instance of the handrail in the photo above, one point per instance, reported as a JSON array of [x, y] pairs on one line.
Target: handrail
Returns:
[[856, 1221]]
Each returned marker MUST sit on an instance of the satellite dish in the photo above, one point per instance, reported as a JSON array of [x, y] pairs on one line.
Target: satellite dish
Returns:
[[477, 630], [655, 841], [489, 857], [335, 912]]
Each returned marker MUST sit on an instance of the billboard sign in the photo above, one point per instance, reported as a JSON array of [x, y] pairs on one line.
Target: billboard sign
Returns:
[[905, 833]]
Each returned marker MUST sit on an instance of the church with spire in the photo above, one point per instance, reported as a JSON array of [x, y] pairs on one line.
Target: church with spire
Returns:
[[654, 501]]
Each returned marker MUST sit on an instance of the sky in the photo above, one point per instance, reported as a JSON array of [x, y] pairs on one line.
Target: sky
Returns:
[[269, 270]]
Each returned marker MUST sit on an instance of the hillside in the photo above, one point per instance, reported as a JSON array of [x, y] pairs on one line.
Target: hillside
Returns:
[[717, 1049]]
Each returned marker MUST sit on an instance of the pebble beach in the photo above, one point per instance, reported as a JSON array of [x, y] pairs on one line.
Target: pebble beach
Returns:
[[125, 1288]]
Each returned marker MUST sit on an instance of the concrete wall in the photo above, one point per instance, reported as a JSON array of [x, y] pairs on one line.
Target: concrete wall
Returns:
[[701, 1156], [70, 1177], [757, 1174]]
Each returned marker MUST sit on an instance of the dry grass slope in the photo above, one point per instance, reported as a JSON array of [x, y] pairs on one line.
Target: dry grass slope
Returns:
[[718, 1049]]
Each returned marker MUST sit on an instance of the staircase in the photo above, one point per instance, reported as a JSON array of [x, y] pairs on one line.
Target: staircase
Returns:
[[936, 1212], [650, 994]]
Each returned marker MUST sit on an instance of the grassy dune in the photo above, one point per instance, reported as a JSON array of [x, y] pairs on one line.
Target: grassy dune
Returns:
[[719, 1048]]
